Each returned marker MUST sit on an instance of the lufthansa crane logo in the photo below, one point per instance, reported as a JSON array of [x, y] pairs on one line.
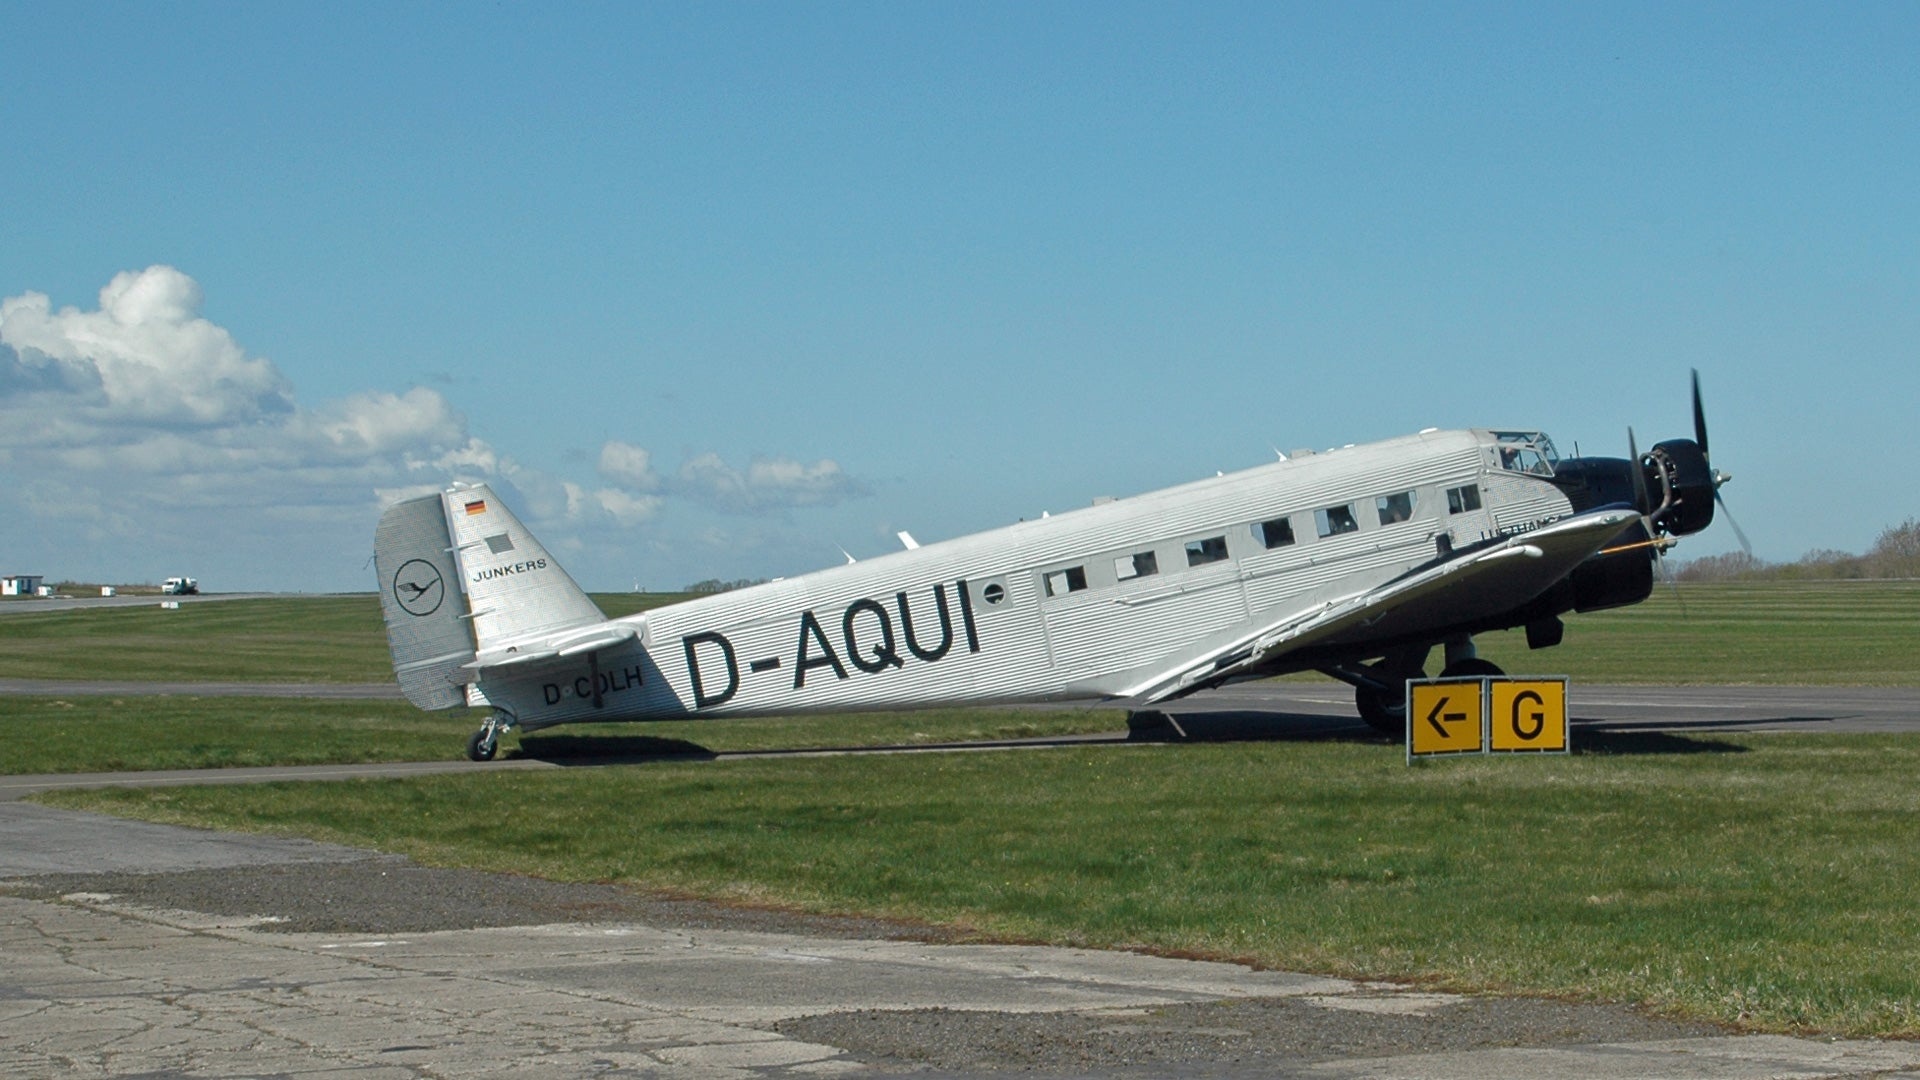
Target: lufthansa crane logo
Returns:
[[418, 587]]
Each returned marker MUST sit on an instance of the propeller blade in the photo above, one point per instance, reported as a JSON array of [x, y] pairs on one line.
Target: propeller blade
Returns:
[[1739, 533], [1641, 501], [1699, 417]]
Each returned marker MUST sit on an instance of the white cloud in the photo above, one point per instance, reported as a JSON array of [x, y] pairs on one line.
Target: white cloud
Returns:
[[627, 509], [628, 466], [767, 484], [792, 483], [382, 423], [145, 356], [145, 392], [139, 438]]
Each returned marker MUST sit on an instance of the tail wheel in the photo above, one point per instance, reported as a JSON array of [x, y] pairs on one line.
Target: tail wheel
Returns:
[[482, 745]]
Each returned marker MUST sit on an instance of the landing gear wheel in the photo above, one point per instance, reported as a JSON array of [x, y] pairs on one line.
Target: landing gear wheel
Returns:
[[483, 744], [1471, 669], [1384, 710]]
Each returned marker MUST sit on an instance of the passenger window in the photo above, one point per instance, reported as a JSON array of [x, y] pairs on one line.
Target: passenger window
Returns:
[[1395, 508], [1062, 582], [1462, 499], [1335, 520], [1201, 552], [1128, 567], [1275, 533]]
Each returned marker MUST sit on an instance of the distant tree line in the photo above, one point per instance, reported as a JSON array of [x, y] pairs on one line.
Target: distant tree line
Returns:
[[1896, 554], [715, 585]]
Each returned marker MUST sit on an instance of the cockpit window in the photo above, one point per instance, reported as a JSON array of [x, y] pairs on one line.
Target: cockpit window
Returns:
[[1537, 440], [1524, 459]]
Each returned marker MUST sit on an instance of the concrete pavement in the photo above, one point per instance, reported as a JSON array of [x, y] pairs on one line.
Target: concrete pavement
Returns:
[[112, 968]]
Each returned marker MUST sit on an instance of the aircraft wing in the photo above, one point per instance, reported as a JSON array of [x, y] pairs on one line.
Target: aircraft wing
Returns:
[[1482, 581]]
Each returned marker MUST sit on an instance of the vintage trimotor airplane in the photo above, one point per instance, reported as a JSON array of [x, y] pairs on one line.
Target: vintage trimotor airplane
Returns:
[[1356, 562]]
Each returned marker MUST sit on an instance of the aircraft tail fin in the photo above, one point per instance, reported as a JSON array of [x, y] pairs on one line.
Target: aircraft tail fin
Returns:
[[517, 590], [463, 583], [427, 629]]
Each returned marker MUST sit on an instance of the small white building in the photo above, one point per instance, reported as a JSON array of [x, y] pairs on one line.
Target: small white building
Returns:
[[21, 584]]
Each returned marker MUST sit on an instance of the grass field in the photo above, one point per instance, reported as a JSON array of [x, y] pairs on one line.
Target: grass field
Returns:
[[1835, 633], [1805, 633], [110, 734], [1760, 880], [1769, 881], [304, 639]]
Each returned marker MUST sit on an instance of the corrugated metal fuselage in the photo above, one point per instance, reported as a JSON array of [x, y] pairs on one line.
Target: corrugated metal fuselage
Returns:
[[1073, 606]]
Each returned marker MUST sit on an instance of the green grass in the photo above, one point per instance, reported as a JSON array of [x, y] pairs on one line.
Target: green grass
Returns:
[[306, 639], [1763, 880], [327, 639], [1767, 633], [1798, 633], [108, 734]]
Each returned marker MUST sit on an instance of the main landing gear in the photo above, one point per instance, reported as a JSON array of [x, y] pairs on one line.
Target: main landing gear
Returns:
[[482, 745], [1384, 709], [1380, 690]]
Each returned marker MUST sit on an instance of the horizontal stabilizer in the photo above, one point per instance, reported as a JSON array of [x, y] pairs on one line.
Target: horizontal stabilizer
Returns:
[[555, 649]]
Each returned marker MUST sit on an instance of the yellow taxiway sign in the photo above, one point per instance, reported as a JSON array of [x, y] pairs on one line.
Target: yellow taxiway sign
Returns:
[[1527, 715], [1446, 716], [1487, 715]]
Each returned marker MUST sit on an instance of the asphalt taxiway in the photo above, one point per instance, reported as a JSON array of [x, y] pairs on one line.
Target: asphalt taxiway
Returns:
[[1272, 711], [31, 605]]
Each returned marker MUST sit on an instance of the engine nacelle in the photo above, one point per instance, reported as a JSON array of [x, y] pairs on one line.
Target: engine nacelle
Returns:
[[1678, 467], [1610, 581]]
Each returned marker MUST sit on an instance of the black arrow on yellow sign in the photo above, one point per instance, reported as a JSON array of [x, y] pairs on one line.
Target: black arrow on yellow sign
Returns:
[[1436, 717]]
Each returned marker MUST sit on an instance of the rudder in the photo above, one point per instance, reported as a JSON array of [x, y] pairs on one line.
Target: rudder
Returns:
[[420, 598]]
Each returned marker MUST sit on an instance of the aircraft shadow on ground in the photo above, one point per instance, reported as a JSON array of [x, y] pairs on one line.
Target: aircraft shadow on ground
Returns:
[[1153, 726], [585, 750], [1247, 726], [608, 749], [1617, 741], [1653, 737], [1589, 736]]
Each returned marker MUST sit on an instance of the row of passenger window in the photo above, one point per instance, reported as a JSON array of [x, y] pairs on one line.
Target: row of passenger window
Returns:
[[1271, 534]]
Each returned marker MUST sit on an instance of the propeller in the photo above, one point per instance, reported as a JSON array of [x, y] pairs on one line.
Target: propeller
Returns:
[[1700, 418], [1674, 487], [1641, 501], [1719, 478]]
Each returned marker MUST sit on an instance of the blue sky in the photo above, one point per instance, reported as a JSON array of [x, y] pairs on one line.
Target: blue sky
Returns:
[[719, 290]]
